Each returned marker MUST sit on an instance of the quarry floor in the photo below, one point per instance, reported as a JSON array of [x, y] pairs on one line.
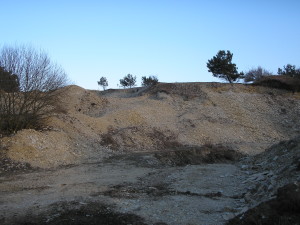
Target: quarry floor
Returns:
[[135, 188]]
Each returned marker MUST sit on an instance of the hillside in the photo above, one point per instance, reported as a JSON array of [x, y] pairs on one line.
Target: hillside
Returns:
[[217, 153], [244, 118]]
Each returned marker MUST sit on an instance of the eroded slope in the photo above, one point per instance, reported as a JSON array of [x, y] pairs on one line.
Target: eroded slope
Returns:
[[91, 125]]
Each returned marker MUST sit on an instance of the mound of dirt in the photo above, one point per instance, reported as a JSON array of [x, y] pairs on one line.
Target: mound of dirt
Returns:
[[92, 125], [183, 90], [76, 99], [40, 149], [198, 155], [68, 137], [129, 138]]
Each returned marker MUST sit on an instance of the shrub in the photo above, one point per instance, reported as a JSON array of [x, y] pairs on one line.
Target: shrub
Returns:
[[8, 82], [149, 81], [103, 82], [280, 82], [128, 81], [256, 74], [31, 93], [289, 70]]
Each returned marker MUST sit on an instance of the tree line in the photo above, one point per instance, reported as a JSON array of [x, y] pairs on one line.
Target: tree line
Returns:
[[129, 81], [30, 83], [221, 66]]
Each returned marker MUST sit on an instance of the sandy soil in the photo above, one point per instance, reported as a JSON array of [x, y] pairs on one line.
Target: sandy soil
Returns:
[[170, 154], [244, 118]]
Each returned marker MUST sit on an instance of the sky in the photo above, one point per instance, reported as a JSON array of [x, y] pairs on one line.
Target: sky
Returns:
[[170, 39]]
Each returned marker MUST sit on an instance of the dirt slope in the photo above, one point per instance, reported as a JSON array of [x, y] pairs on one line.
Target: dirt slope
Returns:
[[126, 156], [244, 118]]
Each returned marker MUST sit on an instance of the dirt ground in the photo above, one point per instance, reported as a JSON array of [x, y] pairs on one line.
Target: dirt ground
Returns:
[[194, 186], [137, 188], [175, 154]]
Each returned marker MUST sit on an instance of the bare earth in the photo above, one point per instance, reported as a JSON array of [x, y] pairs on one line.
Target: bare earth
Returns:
[[171, 154]]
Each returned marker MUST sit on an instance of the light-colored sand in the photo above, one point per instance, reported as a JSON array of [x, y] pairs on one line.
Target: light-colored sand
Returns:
[[90, 123]]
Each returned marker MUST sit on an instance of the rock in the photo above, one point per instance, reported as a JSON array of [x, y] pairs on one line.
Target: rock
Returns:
[[247, 197], [228, 216], [270, 187], [244, 209], [257, 177], [244, 167]]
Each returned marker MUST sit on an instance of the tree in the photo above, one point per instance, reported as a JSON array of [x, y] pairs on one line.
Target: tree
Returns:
[[103, 82], [149, 81], [8, 82], [289, 70], [31, 93], [222, 67], [128, 81], [256, 74]]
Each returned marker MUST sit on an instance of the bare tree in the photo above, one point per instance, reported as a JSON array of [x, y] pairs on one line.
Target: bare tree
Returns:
[[256, 74], [39, 80]]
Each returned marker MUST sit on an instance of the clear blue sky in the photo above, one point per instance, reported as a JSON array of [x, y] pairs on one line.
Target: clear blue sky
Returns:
[[170, 39]]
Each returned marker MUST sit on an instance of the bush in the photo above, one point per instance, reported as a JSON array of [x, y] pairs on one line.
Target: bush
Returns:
[[289, 70], [128, 81], [280, 82], [149, 81], [103, 82], [256, 74], [8, 82], [30, 95]]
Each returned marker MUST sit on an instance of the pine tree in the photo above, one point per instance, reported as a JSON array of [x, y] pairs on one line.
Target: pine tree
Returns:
[[103, 82], [128, 81], [8, 81], [222, 67]]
